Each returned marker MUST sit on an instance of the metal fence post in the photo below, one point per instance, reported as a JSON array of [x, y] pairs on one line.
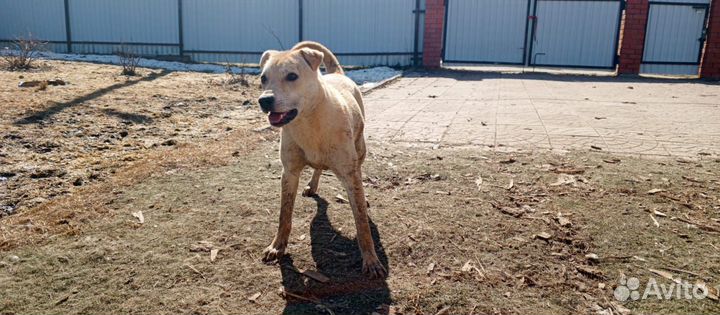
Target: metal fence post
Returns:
[[416, 51], [181, 40], [300, 20], [68, 34]]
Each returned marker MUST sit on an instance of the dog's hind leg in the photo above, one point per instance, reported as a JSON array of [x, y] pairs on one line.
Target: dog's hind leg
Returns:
[[312, 186], [356, 193]]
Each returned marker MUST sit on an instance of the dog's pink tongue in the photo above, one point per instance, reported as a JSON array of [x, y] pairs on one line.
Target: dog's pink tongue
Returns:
[[275, 118]]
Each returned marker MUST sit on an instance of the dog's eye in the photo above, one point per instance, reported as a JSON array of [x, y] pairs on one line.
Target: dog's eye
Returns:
[[263, 79], [292, 76]]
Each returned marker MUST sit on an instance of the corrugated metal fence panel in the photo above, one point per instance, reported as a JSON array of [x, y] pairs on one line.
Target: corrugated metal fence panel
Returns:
[[673, 33], [683, 1], [143, 50], [487, 31], [127, 21], [48, 46], [246, 58], [368, 26], [240, 26], [576, 33], [45, 19]]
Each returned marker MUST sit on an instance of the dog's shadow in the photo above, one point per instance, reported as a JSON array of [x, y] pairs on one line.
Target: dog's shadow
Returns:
[[348, 291]]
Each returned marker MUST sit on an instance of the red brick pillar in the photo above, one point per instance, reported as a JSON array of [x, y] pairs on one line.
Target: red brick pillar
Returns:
[[711, 58], [433, 40], [633, 36]]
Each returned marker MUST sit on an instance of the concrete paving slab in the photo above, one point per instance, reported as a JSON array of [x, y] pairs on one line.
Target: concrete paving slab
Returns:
[[521, 112]]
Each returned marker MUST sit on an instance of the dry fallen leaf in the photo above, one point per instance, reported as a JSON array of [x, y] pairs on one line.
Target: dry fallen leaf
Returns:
[[622, 310], [565, 222], [713, 293], [510, 185], [253, 298], [569, 170], [515, 212], [467, 267], [339, 198], [590, 271], [508, 161], [201, 246], [543, 236], [564, 179], [430, 268], [692, 179], [316, 276], [139, 215]]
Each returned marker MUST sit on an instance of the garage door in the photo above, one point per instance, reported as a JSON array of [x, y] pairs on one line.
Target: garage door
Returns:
[[674, 37], [575, 33], [486, 31]]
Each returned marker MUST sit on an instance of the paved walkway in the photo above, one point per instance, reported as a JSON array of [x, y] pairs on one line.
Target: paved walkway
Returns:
[[508, 112]]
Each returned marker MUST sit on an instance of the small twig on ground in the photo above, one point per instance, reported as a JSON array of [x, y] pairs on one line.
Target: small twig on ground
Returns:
[[196, 271], [701, 226], [681, 271]]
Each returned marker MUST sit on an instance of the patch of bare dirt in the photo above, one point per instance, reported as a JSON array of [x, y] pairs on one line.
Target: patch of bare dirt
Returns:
[[55, 139]]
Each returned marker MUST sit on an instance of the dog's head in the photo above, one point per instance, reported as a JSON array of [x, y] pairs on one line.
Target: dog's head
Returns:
[[290, 83]]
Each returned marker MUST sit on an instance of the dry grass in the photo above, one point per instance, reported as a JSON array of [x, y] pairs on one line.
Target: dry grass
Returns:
[[511, 243], [426, 209]]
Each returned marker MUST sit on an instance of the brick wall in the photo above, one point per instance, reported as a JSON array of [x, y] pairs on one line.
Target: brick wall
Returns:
[[433, 41], [633, 36], [710, 68]]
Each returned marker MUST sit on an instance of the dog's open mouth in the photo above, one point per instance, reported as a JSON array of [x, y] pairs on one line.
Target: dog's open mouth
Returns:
[[279, 119]]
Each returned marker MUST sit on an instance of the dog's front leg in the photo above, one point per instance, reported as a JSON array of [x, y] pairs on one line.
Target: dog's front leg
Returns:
[[356, 193], [290, 178]]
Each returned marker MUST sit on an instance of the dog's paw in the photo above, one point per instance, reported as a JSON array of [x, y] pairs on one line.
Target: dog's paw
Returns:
[[308, 192], [272, 254], [374, 269]]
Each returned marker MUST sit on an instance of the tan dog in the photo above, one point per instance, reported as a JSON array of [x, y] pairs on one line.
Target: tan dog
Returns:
[[322, 126]]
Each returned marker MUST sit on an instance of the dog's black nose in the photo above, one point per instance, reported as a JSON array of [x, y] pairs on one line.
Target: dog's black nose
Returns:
[[267, 103]]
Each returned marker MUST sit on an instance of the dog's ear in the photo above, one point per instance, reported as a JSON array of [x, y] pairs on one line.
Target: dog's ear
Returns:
[[312, 57], [266, 56]]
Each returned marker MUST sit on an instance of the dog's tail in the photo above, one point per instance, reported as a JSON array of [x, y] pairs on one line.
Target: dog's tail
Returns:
[[332, 65]]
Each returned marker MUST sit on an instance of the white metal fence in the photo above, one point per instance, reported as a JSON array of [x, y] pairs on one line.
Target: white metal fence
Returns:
[[368, 32], [562, 33], [674, 36]]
